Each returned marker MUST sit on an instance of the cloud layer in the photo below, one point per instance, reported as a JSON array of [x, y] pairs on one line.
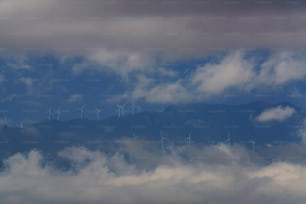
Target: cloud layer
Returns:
[[132, 27], [222, 174]]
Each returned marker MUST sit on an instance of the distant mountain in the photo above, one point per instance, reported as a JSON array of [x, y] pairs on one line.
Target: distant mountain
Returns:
[[206, 123]]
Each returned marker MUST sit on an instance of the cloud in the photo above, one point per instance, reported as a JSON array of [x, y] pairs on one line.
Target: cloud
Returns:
[[281, 68], [27, 81], [175, 28], [153, 92], [75, 98], [121, 62], [109, 178], [118, 61], [234, 71], [278, 113], [135, 36]]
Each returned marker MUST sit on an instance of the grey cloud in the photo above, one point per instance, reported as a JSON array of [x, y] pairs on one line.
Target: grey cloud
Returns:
[[176, 28]]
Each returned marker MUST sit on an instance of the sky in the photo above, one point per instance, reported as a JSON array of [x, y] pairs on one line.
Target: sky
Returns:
[[98, 54], [73, 55]]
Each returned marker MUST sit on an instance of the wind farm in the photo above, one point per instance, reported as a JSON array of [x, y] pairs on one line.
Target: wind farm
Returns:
[[173, 126], [152, 101]]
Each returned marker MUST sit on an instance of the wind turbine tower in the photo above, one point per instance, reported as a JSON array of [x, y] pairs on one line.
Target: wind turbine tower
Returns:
[[228, 141], [162, 139], [120, 110], [133, 109], [82, 112], [50, 113], [189, 139], [134, 136], [253, 145]]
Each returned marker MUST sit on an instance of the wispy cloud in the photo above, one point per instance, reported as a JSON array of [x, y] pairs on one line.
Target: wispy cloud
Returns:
[[75, 98]]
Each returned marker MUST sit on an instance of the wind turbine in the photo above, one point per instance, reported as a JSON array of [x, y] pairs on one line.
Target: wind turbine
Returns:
[[253, 145], [134, 136], [133, 109], [98, 111], [82, 112], [189, 139], [162, 139], [228, 140], [50, 113], [120, 110]]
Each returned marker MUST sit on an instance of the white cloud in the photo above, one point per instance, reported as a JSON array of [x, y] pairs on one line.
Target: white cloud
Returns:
[[232, 71], [282, 68], [75, 98], [278, 113], [110, 179], [162, 93], [122, 62]]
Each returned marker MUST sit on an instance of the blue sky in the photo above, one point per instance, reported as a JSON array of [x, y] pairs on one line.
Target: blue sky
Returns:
[[100, 53], [32, 83]]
